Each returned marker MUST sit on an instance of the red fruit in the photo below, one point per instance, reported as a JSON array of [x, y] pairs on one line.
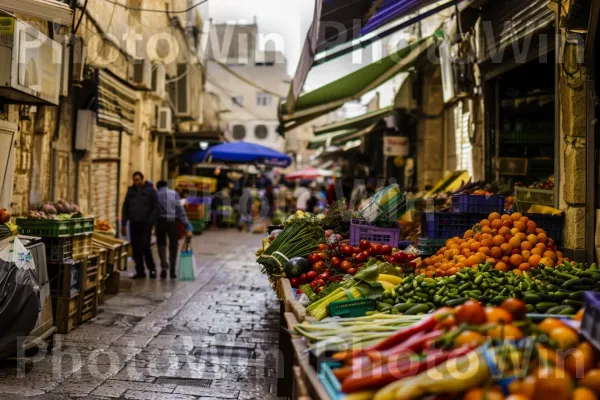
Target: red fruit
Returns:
[[295, 282], [386, 249], [310, 276], [508, 223], [346, 265], [319, 290], [365, 244], [319, 282], [347, 250], [352, 271], [516, 307], [357, 249], [376, 249], [367, 253], [324, 275], [299, 291], [471, 312], [322, 255], [323, 247], [335, 262], [354, 255], [318, 266], [360, 258], [304, 277], [516, 251], [313, 258], [507, 237]]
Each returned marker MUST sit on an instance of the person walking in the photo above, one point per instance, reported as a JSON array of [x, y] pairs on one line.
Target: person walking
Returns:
[[170, 215], [245, 206], [140, 209]]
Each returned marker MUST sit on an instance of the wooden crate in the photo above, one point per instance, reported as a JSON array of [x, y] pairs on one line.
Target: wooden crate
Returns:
[[125, 253], [66, 313], [82, 246], [101, 253], [113, 249], [90, 272], [113, 283], [88, 305], [65, 278]]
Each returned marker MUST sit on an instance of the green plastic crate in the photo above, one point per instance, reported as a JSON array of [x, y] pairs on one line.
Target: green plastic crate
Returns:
[[198, 226], [526, 197], [45, 227], [352, 308]]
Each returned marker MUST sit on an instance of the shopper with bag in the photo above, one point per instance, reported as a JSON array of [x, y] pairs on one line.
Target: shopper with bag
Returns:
[[170, 215]]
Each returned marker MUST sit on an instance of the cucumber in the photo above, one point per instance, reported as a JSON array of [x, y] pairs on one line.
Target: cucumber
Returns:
[[456, 302], [567, 311], [531, 298], [570, 283], [573, 303], [578, 295], [418, 309], [544, 306], [530, 308], [402, 307], [557, 309]]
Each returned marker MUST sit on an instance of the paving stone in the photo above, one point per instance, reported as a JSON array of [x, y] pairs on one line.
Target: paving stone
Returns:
[[139, 395], [116, 389], [199, 391]]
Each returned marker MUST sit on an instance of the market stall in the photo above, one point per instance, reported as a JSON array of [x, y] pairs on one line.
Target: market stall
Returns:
[[368, 321]]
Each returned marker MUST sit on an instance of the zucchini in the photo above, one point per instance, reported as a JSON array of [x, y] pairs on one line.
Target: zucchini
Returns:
[[544, 306], [418, 309]]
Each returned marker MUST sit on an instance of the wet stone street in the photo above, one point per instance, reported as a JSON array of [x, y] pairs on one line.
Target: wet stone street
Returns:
[[214, 338]]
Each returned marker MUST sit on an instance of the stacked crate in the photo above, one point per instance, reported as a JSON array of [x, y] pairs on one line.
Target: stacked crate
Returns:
[[101, 254], [117, 253], [65, 288]]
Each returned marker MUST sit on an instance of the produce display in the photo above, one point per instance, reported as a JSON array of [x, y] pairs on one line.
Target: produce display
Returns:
[[546, 184], [6, 228], [52, 210], [505, 241], [102, 226]]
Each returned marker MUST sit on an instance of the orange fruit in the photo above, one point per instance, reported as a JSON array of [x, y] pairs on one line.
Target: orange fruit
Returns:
[[548, 355], [475, 246], [520, 226], [498, 240], [496, 224], [486, 229], [490, 260], [505, 332], [583, 393], [516, 216], [506, 217], [517, 397], [527, 387], [517, 272], [451, 271], [579, 315], [552, 383], [537, 251], [494, 216], [542, 237], [525, 254], [498, 315], [559, 254], [468, 338], [469, 234], [580, 360], [564, 337], [505, 259], [484, 250], [477, 236], [501, 267], [524, 267], [482, 256], [524, 220], [540, 246], [549, 324], [547, 262], [472, 260], [526, 245], [487, 243], [484, 222], [496, 252], [504, 231], [551, 255], [514, 231], [533, 239], [516, 260], [521, 236], [506, 248], [483, 394], [534, 260], [591, 380], [515, 242]]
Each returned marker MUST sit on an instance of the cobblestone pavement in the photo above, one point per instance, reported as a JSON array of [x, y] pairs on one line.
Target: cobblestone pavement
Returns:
[[214, 338]]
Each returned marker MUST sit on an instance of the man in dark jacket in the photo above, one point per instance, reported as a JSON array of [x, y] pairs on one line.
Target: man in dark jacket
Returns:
[[140, 209]]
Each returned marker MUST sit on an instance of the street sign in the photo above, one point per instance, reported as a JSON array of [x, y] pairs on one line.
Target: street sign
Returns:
[[395, 146]]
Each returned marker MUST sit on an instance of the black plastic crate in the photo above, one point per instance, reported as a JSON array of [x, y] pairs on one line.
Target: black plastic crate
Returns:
[[552, 224], [468, 203], [58, 250], [65, 278]]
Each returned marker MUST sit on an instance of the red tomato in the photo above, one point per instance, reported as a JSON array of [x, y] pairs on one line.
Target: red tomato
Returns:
[[376, 249], [313, 258], [335, 262], [352, 271], [355, 254], [360, 258], [318, 266], [303, 277], [357, 249], [295, 282], [310, 276], [319, 282], [299, 291], [323, 246], [322, 255], [347, 250], [386, 249], [346, 265], [471, 312], [367, 253], [319, 290], [365, 244], [516, 307], [324, 275]]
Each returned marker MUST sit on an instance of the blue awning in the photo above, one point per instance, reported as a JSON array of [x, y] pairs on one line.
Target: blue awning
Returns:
[[243, 153], [390, 10]]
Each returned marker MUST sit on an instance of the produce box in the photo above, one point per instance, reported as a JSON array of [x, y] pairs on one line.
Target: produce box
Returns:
[[45, 227], [91, 272], [477, 203], [445, 225], [58, 249], [361, 230], [65, 278], [112, 284], [526, 197], [66, 313], [82, 246], [88, 305], [388, 204]]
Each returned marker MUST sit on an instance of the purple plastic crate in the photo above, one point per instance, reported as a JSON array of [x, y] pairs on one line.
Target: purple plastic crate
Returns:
[[361, 230], [477, 203], [444, 225], [590, 324]]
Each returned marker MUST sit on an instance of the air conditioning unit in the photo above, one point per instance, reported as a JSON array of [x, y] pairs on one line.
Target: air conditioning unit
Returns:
[[30, 64], [79, 57], [84, 139], [164, 120], [159, 80], [142, 74], [187, 92]]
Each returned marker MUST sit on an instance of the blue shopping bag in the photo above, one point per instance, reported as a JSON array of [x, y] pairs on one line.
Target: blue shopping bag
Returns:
[[187, 263]]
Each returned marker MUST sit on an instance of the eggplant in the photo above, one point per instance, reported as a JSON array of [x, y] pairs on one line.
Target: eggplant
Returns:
[[296, 267]]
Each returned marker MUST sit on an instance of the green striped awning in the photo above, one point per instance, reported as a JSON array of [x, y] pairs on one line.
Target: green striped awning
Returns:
[[339, 138], [116, 103]]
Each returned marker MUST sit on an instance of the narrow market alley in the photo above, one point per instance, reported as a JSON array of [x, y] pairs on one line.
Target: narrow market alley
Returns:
[[214, 338]]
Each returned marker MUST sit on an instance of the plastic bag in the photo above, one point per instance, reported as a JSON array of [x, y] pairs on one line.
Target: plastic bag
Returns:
[[19, 295], [187, 263]]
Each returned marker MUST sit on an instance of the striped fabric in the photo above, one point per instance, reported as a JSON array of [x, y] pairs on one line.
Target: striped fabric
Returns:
[[116, 103]]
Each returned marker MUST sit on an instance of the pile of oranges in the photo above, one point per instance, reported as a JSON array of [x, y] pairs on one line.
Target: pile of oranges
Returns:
[[509, 242]]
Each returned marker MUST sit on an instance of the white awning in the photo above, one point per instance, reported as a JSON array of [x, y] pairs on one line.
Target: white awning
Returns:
[[50, 10]]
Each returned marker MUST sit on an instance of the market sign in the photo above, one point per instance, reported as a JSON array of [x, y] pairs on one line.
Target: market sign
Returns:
[[395, 146]]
